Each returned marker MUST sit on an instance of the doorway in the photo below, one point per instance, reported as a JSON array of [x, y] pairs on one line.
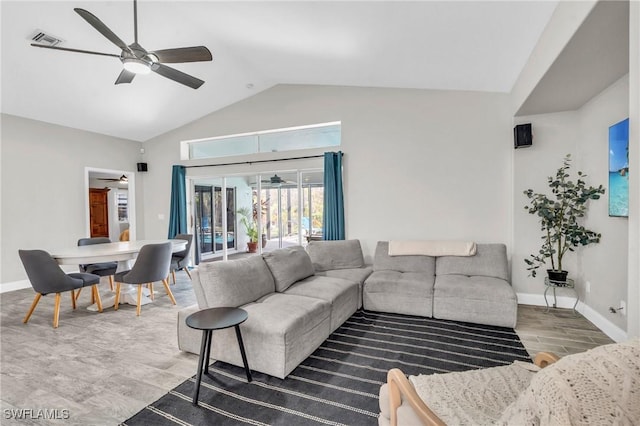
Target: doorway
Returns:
[[208, 215], [112, 212]]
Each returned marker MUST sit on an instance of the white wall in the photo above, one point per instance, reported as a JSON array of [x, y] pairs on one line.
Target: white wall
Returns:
[[634, 179], [565, 21], [43, 200], [418, 164], [584, 134], [554, 136]]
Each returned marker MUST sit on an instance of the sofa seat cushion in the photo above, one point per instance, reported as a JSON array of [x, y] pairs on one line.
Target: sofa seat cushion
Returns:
[[476, 299], [473, 288], [232, 284], [339, 254], [411, 283], [288, 265], [281, 331], [358, 275], [408, 293], [343, 295]]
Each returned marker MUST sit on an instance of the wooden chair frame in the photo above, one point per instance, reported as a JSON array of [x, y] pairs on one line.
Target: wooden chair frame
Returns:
[[139, 295], [95, 295], [400, 388]]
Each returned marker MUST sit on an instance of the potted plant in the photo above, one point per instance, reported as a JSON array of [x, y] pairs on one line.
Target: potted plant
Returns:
[[559, 216], [251, 228]]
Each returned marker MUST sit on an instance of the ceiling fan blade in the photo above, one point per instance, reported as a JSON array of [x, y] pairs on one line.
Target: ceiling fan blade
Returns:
[[183, 54], [102, 28], [125, 77], [177, 76], [66, 49]]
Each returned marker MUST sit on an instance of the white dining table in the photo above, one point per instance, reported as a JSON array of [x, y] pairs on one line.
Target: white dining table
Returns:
[[122, 252]]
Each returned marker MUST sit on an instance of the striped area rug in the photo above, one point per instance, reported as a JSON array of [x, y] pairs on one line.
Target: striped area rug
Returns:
[[338, 384]]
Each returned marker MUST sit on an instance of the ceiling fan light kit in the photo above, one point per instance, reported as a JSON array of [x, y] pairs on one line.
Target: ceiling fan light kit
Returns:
[[136, 66], [136, 60]]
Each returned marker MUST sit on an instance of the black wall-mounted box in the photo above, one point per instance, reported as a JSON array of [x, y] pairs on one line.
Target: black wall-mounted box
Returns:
[[522, 137], [142, 167]]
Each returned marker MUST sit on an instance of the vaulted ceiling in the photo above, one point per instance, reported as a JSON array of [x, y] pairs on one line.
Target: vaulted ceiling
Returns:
[[451, 45]]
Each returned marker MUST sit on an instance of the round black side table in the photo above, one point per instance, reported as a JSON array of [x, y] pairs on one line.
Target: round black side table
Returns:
[[211, 319]]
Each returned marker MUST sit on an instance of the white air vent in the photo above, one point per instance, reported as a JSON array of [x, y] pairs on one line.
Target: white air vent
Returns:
[[41, 37]]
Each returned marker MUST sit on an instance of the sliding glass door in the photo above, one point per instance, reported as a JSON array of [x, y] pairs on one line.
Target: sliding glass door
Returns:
[[208, 213]]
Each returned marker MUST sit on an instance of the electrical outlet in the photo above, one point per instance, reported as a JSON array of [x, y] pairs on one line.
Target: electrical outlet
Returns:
[[623, 307], [588, 286]]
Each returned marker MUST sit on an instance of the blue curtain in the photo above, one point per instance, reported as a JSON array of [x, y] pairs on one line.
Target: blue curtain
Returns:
[[333, 217], [178, 213]]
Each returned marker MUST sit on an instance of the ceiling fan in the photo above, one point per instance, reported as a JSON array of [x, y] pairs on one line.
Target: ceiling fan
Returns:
[[275, 180], [121, 179], [136, 60]]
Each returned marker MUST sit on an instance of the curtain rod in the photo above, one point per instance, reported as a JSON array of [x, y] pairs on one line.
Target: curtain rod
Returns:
[[258, 161]]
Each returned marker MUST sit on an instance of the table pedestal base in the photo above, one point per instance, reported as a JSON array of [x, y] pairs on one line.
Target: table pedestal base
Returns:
[[128, 295]]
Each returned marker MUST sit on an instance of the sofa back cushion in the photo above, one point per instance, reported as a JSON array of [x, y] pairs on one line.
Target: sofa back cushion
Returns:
[[330, 255], [490, 261], [233, 283], [288, 265], [383, 262]]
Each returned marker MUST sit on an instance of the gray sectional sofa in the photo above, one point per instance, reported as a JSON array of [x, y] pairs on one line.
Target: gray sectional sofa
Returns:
[[460, 288], [296, 298], [292, 310]]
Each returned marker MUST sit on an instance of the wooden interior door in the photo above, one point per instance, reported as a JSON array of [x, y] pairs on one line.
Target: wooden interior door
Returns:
[[99, 212]]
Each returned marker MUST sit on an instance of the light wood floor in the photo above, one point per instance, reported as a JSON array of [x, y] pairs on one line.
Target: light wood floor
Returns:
[[103, 368]]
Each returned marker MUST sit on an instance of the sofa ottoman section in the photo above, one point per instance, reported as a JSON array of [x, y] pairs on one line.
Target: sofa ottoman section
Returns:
[[476, 299], [475, 288], [409, 293], [399, 284], [341, 294], [282, 331]]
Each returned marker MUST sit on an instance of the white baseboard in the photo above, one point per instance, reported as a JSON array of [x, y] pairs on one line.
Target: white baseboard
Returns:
[[15, 285], [607, 327]]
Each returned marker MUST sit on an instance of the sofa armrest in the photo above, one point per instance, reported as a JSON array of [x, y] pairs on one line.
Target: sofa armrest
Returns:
[[189, 339], [401, 389]]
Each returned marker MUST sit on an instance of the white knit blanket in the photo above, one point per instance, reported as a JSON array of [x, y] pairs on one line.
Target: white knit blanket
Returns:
[[597, 387], [432, 248], [476, 397]]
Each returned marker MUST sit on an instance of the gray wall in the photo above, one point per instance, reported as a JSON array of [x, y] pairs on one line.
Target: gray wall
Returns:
[[43, 199], [418, 164], [585, 135]]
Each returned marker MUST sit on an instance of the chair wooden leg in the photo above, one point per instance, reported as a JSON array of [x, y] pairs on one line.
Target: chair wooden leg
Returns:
[[166, 287], [117, 301], [173, 274], [78, 293], [56, 311], [139, 304], [95, 289], [32, 308], [111, 282], [150, 287], [93, 297], [188, 273], [73, 299]]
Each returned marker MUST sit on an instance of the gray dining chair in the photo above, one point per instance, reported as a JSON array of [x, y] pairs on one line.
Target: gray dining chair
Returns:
[[46, 277], [104, 269], [152, 264], [180, 260]]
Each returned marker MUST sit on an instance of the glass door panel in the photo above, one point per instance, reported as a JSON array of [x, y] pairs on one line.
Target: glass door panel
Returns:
[[231, 219], [312, 205], [204, 218]]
